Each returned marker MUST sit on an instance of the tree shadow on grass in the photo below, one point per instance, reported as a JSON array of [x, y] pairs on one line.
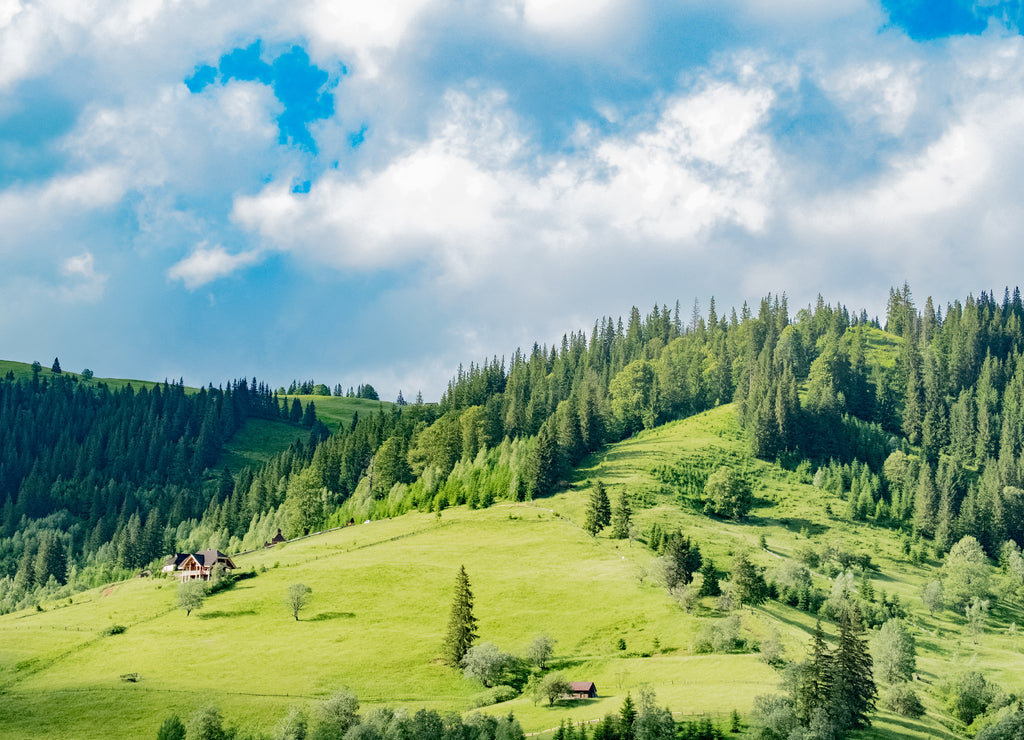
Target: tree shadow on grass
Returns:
[[218, 614], [911, 726], [325, 616], [562, 664], [797, 524]]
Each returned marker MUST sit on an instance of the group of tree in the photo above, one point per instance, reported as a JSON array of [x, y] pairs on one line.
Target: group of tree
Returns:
[[947, 394], [96, 481], [829, 694], [311, 388], [339, 717]]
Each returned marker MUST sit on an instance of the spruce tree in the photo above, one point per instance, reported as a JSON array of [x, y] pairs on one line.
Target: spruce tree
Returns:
[[622, 517], [709, 583], [461, 623], [853, 686], [55, 368], [749, 581], [627, 716], [599, 513]]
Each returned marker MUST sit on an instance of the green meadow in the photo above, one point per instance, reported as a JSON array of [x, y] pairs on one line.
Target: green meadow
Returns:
[[337, 410], [381, 593]]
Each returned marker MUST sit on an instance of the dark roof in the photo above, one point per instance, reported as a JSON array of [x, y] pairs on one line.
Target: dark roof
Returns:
[[209, 558], [585, 686], [176, 559]]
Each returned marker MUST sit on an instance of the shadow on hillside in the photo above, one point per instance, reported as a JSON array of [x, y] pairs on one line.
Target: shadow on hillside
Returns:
[[324, 616], [797, 524], [573, 703], [562, 664], [912, 726], [793, 623], [218, 614]]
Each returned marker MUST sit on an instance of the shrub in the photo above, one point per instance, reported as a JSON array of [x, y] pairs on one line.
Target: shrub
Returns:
[[494, 695], [115, 629], [968, 695], [902, 699]]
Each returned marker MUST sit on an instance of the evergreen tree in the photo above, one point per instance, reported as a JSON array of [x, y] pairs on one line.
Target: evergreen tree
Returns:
[[55, 368], [812, 691], [751, 588], [709, 585], [627, 717], [544, 466], [599, 513], [853, 686], [461, 623], [622, 517], [682, 559]]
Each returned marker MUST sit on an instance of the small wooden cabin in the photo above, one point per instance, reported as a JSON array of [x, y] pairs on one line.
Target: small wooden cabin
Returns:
[[583, 690], [277, 539]]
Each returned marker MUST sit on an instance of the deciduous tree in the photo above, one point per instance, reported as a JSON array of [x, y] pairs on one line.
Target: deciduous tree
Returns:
[[297, 598]]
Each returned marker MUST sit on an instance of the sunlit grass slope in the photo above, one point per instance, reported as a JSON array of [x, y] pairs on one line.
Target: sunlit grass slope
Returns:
[[337, 410], [382, 591]]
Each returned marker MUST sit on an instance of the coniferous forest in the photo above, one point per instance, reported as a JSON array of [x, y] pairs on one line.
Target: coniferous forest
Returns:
[[915, 418]]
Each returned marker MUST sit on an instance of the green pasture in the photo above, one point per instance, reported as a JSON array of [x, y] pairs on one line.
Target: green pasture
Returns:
[[24, 370], [337, 410], [381, 592]]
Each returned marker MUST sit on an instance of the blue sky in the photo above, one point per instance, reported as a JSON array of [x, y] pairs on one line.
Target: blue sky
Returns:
[[329, 190]]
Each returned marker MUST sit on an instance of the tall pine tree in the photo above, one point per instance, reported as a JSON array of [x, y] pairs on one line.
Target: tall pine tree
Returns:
[[461, 623]]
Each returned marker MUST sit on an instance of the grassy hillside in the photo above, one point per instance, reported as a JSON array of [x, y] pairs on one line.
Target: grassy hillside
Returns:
[[381, 594], [259, 439], [24, 370], [336, 410]]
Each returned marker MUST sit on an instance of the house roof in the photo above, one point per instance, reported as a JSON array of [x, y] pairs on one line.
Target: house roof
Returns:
[[176, 559], [585, 686], [209, 558]]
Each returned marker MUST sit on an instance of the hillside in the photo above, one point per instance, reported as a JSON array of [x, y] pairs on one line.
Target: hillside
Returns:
[[381, 593]]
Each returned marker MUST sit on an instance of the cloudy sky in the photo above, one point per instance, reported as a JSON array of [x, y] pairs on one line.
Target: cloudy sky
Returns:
[[375, 192]]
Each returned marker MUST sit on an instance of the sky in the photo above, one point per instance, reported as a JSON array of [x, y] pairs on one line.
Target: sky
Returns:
[[358, 192]]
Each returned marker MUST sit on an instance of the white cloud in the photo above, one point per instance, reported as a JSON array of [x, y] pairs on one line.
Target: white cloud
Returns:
[[473, 197], [369, 30], [26, 211], [82, 281], [206, 264]]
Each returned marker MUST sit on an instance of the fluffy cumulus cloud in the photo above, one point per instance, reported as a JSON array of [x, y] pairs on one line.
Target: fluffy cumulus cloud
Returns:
[[206, 264], [463, 178]]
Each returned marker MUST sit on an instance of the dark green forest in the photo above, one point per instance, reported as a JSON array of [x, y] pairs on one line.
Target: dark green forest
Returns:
[[916, 421]]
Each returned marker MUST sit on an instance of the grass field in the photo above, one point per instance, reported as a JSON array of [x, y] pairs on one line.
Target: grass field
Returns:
[[24, 370], [382, 591], [336, 410]]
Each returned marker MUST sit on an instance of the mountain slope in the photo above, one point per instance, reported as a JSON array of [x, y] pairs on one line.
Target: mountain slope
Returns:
[[382, 590]]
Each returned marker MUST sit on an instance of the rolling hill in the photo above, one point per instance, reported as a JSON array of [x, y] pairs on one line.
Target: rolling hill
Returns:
[[381, 592]]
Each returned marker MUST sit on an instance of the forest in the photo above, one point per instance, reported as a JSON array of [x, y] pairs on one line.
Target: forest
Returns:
[[917, 421]]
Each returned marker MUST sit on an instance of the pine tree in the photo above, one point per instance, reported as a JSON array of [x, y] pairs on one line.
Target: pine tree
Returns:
[[749, 581], [627, 716], [622, 517], [544, 464], [598, 510], [853, 686], [813, 689], [55, 368], [461, 623], [709, 584]]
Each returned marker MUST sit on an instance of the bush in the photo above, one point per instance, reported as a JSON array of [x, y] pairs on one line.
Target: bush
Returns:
[[902, 699], [115, 629], [494, 695], [968, 695], [719, 636]]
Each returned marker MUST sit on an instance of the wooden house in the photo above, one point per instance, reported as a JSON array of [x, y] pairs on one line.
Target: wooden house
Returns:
[[277, 539], [197, 566], [583, 690]]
